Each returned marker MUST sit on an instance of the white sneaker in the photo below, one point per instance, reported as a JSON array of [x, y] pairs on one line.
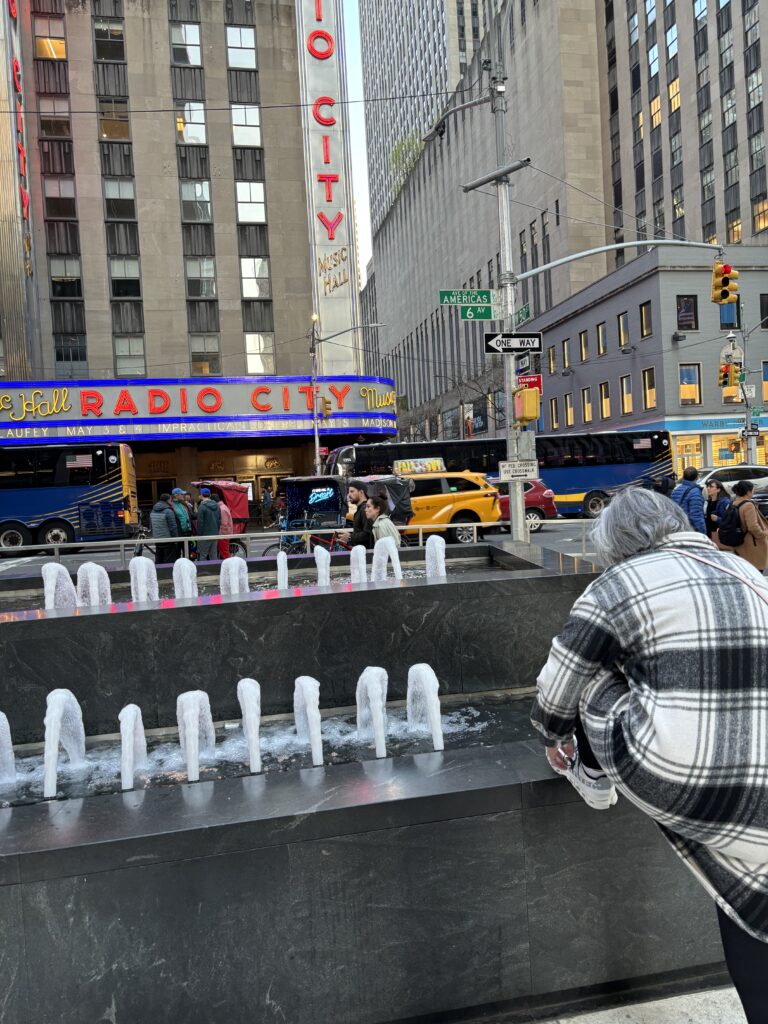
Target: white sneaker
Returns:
[[600, 793]]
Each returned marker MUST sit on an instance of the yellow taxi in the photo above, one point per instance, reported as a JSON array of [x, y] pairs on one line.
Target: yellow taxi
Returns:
[[455, 499]]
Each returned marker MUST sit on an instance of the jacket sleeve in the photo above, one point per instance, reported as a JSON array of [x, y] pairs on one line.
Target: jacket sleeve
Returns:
[[585, 651], [362, 531], [173, 526], [695, 510], [753, 522]]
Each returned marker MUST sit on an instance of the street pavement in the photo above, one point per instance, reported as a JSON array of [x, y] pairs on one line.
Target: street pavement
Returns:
[[718, 1006]]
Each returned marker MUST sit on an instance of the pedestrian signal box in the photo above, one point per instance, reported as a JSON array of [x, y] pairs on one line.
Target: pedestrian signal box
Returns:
[[527, 405]]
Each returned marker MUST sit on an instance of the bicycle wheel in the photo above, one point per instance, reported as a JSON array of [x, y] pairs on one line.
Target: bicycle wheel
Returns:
[[272, 551]]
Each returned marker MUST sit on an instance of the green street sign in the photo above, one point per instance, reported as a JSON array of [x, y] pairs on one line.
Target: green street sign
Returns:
[[459, 297], [477, 313], [523, 314], [757, 410], [742, 378]]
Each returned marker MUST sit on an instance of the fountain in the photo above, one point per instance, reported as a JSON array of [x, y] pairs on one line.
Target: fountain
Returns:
[[7, 762], [234, 576], [133, 744], [249, 697], [63, 726], [143, 580], [184, 579], [282, 570], [323, 563], [196, 732], [371, 698], [306, 714], [385, 551], [93, 587], [60, 593], [435, 557], [358, 568], [424, 704]]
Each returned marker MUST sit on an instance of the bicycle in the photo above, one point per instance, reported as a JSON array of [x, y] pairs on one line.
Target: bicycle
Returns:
[[296, 543], [142, 535]]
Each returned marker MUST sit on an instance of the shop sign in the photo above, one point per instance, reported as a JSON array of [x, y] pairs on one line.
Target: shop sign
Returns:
[[218, 407], [326, 146]]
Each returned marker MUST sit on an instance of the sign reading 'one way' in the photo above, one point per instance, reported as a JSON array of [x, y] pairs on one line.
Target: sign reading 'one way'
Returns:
[[513, 342]]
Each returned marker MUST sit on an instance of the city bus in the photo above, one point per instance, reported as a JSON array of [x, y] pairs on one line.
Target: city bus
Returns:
[[583, 470], [60, 494]]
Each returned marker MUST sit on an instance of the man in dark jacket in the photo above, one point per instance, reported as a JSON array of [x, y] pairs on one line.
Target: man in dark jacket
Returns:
[[362, 527], [208, 524], [688, 496], [163, 523]]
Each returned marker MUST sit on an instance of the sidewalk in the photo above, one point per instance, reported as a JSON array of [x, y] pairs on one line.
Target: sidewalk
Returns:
[[716, 1006]]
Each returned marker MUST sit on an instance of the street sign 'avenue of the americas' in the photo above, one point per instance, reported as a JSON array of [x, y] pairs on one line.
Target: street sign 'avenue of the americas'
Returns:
[[513, 342], [468, 297]]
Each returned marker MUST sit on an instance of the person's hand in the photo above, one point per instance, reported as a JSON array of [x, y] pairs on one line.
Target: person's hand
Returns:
[[344, 538], [560, 756]]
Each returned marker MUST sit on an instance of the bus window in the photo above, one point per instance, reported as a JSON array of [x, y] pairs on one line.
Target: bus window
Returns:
[[17, 469]]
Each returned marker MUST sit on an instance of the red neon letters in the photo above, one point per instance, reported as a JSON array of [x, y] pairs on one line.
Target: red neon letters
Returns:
[[320, 36], [178, 403], [14, 10], [321, 45]]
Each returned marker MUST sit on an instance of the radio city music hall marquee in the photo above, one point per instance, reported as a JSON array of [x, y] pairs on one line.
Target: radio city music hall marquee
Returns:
[[17, 99], [219, 407]]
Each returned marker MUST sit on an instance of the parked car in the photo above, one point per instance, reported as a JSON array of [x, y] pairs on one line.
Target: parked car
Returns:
[[539, 503], [458, 499], [729, 475]]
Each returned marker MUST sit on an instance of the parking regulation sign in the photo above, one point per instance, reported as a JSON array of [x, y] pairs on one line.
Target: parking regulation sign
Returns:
[[503, 342]]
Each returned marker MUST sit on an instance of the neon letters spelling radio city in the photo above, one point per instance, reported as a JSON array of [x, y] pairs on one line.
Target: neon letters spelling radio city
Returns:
[[18, 90], [322, 46]]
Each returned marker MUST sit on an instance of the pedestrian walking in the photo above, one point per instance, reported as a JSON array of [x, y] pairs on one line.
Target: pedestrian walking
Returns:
[[376, 511], [362, 527], [657, 689], [226, 525], [208, 523], [688, 496], [164, 525], [717, 505], [743, 529], [266, 506]]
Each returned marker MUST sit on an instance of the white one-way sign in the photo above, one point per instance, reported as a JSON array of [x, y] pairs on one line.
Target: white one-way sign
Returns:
[[513, 343]]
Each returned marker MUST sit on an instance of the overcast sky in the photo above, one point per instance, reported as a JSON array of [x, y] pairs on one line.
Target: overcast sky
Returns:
[[357, 133]]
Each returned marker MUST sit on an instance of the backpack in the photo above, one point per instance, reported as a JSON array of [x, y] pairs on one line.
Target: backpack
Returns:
[[729, 529]]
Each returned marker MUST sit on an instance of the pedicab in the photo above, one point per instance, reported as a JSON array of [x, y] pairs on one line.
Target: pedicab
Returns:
[[235, 497], [311, 503]]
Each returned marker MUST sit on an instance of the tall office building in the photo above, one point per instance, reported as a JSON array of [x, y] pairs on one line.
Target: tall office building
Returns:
[[417, 51]]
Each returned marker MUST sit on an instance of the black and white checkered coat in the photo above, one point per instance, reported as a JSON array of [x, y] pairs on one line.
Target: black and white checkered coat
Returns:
[[666, 661]]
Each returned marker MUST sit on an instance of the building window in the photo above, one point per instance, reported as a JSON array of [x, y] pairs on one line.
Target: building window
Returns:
[[246, 125], [676, 149], [71, 355], [700, 10], [241, 47], [658, 217], [728, 107], [554, 416], [707, 183], [678, 207], [204, 354], [126, 278], [584, 345], [725, 45], [568, 400], [690, 384], [650, 11], [674, 95], [601, 339], [196, 202], [59, 196], [671, 41], [705, 126], [731, 165], [626, 394], [646, 320], [637, 128], [649, 388], [129, 357], [605, 401], [185, 45], [119, 199], [260, 353], [754, 89], [622, 323], [114, 123], [765, 382], [254, 274], [655, 111], [109, 39], [759, 215], [764, 312], [633, 30], [65, 278], [190, 123], [49, 38], [653, 60], [726, 316], [54, 117], [551, 359], [586, 405], [201, 278], [733, 226], [756, 152], [250, 202], [566, 355]]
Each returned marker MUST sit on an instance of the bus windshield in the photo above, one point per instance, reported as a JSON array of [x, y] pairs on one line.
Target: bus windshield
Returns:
[[59, 494], [583, 470]]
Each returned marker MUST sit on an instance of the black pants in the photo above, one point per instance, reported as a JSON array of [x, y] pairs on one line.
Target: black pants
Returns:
[[166, 553], [745, 956]]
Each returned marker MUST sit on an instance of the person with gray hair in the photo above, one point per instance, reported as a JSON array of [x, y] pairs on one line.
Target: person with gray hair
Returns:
[[657, 689]]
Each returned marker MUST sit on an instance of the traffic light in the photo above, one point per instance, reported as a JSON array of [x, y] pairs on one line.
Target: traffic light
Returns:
[[325, 407], [734, 371], [724, 375], [527, 405], [725, 284]]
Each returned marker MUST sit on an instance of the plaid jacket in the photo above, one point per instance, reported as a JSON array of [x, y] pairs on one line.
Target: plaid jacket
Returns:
[[666, 662]]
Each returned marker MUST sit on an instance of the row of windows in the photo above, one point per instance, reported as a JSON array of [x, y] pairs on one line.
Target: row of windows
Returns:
[[604, 400], [622, 328], [109, 42]]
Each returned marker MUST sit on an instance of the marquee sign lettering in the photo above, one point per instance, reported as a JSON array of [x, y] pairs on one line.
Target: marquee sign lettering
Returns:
[[17, 83], [326, 143], [214, 407]]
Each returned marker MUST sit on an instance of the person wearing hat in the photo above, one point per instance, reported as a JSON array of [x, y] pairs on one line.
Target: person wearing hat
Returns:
[[208, 525], [179, 506]]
